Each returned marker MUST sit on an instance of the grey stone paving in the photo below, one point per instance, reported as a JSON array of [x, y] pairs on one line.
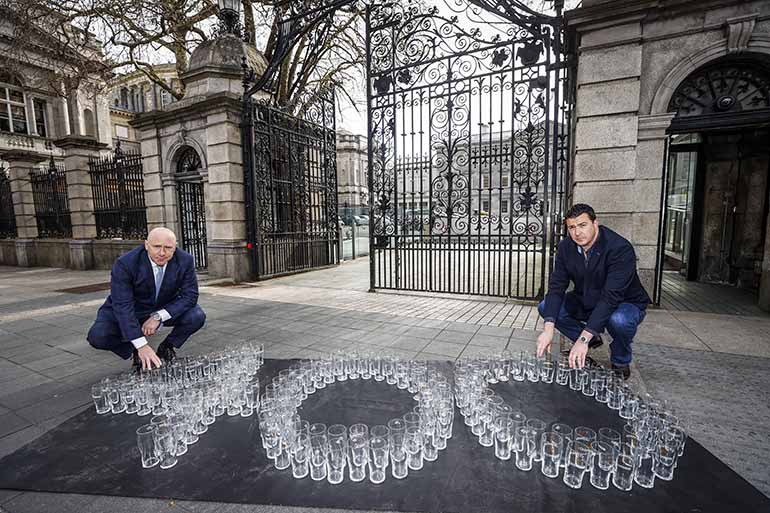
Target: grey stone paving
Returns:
[[714, 368]]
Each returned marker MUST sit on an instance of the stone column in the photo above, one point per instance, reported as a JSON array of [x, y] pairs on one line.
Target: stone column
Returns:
[[152, 169], [225, 208], [618, 153], [20, 164], [77, 152]]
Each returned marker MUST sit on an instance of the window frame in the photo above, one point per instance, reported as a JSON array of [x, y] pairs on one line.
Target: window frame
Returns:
[[7, 104]]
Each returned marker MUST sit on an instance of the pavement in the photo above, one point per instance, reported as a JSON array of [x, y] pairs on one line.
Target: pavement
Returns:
[[713, 369]]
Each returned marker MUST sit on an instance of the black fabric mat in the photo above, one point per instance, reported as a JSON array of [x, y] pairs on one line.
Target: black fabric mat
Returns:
[[97, 455]]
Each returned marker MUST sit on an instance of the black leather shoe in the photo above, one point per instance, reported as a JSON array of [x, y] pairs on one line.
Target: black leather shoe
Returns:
[[595, 342], [624, 370], [166, 352], [136, 363]]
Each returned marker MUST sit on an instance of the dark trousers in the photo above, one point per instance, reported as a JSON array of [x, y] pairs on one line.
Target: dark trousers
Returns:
[[622, 325], [105, 333]]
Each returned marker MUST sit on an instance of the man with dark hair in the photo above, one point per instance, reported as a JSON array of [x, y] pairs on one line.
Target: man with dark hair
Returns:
[[607, 292]]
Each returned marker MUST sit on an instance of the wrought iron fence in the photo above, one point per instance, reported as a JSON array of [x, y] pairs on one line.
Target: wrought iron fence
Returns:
[[7, 216], [52, 210], [117, 185]]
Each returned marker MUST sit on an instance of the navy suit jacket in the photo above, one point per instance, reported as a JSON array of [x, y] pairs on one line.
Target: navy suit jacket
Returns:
[[610, 278], [132, 290]]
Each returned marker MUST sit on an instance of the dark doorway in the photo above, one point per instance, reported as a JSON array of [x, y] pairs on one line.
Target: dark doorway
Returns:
[[192, 206], [717, 201]]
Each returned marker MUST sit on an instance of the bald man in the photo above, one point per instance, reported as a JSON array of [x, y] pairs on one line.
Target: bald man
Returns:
[[151, 286]]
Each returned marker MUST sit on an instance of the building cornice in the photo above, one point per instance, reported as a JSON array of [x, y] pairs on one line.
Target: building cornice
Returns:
[[192, 107], [616, 12]]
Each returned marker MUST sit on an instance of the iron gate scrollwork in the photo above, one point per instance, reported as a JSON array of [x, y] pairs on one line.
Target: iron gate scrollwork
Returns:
[[291, 187], [468, 151], [52, 210], [192, 206]]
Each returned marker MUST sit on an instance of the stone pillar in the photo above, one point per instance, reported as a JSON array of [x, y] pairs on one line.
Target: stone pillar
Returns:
[[152, 168], [20, 164], [77, 152], [225, 208], [618, 155]]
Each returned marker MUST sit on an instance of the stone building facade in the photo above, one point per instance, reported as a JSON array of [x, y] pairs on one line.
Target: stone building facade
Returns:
[[655, 81], [352, 166], [132, 94], [42, 111]]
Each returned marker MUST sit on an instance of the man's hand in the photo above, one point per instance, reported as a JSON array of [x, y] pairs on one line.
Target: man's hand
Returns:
[[577, 355], [150, 326], [545, 339], [148, 357]]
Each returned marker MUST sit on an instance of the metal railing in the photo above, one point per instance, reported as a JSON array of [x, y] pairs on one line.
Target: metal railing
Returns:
[[52, 211], [117, 186]]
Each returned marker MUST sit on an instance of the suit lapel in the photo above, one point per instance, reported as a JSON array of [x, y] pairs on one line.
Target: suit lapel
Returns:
[[597, 252]]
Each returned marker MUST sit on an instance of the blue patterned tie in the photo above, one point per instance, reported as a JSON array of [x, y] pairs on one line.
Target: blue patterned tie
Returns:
[[158, 281]]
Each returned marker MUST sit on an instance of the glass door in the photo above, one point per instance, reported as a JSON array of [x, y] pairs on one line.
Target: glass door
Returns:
[[680, 199]]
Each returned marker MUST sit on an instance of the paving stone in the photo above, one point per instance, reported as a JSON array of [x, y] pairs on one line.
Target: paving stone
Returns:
[[417, 331], [10, 423], [444, 348], [457, 337], [6, 495]]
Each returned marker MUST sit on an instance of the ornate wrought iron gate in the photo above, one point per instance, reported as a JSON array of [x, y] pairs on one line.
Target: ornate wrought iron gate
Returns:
[[468, 145], [291, 188], [192, 220]]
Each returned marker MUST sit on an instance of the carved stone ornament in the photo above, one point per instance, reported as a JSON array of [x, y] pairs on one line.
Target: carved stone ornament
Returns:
[[738, 32]]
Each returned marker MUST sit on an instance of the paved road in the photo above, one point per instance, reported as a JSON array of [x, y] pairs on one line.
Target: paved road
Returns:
[[715, 369]]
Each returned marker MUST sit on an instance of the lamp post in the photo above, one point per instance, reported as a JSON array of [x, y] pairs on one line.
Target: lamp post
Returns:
[[229, 16]]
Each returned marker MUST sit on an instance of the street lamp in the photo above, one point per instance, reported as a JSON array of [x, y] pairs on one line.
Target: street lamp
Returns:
[[229, 13]]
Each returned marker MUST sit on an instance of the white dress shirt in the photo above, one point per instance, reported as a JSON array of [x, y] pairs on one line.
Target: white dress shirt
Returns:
[[164, 315]]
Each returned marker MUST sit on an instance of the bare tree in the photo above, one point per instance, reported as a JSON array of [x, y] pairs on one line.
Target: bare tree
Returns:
[[100, 37]]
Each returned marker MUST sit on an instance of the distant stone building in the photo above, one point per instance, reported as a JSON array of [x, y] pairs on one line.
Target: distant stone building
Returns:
[[671, 134], [352, 185], [134, 93]]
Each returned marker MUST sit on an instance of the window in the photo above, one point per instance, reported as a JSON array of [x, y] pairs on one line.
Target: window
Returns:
[[41, 113], [505, 181], [13, 112], [504, 206], [485, 181], [485, 207]]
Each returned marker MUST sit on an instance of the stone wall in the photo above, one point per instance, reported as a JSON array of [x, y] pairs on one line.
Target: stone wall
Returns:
[[59, 253]]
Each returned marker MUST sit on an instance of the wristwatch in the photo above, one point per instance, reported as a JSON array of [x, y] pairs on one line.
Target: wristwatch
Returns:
[[583, 339], [156, 316]]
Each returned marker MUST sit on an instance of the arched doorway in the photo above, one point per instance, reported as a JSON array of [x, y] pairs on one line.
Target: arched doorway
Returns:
[[717, 191], [192, 207]]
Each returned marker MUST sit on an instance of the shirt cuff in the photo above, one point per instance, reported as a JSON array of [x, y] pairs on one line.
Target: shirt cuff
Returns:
[[139, 342], [164, 315], [549, 319], [592, 332]]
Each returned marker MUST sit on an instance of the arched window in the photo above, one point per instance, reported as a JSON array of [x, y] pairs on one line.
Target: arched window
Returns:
[[730, 86], [88, 122], [188, 161], [13, 109]]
